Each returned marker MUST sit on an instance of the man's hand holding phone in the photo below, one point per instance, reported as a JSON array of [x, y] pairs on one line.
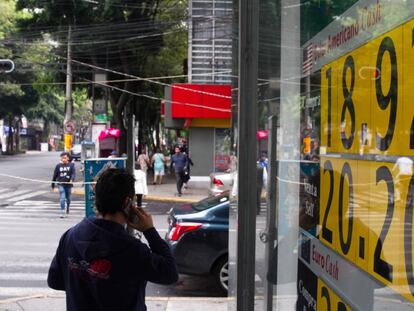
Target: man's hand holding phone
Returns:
[[144, 222]]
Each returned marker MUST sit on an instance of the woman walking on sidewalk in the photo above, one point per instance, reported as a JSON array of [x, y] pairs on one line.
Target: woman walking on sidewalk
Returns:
[[141, 188], [158, 163]]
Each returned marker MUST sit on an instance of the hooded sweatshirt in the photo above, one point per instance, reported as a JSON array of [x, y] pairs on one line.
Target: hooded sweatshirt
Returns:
[[64, 173], [102, 267]]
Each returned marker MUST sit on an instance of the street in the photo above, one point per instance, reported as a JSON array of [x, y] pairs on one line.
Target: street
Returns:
[[30, 229]]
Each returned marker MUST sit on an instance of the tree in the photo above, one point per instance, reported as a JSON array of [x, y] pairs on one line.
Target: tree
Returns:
[[120, 35], [16, 92]]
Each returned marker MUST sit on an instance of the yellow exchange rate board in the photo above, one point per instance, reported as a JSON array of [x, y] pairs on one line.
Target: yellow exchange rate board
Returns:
[[327, 300], [366, 206], [367, 95], [366, 216]]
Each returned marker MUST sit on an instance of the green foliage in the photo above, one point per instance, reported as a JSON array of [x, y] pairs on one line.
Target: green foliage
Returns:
[[49, 108], [143, 38], [16, 96], [82, 112]]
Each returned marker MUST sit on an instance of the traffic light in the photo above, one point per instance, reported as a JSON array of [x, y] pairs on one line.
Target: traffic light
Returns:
[[6, 65]]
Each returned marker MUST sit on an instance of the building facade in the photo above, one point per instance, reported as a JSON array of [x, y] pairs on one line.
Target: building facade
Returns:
[[210, 41]]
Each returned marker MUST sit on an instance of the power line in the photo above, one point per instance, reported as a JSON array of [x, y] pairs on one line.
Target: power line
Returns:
[[160, 99], [151, 81]]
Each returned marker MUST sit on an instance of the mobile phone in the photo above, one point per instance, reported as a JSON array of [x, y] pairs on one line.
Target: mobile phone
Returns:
[[131, 216]]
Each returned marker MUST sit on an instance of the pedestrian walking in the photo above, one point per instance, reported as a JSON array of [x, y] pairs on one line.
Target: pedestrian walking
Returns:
[[63, 175], [143, 161], [259, 188], [233, 166], [141, 188], [114, 154], [158, 163], [187, 171], [101, 266], [179, 163]]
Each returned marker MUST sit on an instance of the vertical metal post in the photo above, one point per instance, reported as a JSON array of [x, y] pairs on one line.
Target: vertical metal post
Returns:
[[247, 179], [130, 162], [68, 100], [272, 195], [190, 43]]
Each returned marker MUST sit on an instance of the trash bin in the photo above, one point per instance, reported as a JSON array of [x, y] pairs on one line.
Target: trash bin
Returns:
[[88, 150]]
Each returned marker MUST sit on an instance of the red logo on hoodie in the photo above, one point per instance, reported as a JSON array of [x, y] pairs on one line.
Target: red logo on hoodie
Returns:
[[100, 268]]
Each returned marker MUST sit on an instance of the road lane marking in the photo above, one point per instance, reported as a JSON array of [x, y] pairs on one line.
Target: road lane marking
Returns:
[[24, 264], [21, 276], [10, 194], [26, 196]]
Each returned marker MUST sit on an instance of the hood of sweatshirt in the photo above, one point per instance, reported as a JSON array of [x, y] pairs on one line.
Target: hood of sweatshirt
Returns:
[[99, 238]]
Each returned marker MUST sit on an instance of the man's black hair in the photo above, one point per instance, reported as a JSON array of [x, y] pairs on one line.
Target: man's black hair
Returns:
[[64, 153], [111, 189]]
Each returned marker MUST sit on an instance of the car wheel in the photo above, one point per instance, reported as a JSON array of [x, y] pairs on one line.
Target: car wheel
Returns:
[[221, 274]]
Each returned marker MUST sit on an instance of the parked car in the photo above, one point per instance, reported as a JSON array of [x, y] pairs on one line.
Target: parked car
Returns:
[[220, 182], [198, 237], [75, 152]]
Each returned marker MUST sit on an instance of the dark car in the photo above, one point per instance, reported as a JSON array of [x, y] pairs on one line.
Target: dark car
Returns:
[[198, 237], [75, 152]]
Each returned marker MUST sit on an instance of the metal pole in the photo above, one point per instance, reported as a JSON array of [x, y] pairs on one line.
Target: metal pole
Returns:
[[130, 162], [247, 179], [272, 195], [68, 100]]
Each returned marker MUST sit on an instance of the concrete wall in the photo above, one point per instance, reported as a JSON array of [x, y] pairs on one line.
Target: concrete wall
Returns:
[[201, 147]]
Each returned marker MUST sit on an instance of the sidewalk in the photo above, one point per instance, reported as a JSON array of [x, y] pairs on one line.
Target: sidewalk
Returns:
[[165, 192], [58, 303]]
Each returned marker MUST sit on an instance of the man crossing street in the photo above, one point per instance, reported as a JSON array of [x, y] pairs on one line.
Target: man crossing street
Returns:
[[63, 175]]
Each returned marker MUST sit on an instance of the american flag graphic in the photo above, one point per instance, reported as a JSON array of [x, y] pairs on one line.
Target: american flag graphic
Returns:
[[307, 59]]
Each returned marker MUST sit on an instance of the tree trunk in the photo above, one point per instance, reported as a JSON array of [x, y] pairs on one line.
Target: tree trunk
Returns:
[[151, 138], [140, 133], [10, 148], [17, 133], [124, 100], [157, 133]]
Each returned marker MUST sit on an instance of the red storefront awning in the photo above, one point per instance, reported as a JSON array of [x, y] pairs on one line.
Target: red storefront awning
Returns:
[[201, 101]]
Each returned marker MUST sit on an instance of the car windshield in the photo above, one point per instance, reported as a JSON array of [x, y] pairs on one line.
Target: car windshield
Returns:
[[210, 202]]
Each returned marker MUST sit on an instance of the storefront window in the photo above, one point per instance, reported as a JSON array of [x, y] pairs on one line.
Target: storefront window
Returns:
[[222, 150], [345, 185]]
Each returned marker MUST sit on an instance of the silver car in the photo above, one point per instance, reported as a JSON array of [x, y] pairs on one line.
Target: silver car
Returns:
[[220, 182]]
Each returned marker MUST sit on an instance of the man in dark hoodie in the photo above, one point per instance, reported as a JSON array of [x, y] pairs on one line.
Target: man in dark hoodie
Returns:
[[101, 266]]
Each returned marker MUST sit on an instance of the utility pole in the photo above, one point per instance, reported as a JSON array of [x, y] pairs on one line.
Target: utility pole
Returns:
[[68, 123], [247, 179]]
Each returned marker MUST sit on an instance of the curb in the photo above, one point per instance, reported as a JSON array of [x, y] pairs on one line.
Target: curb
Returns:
[[171, 199], [78, 192], [38, 296], [151, 298], [155, 197]]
